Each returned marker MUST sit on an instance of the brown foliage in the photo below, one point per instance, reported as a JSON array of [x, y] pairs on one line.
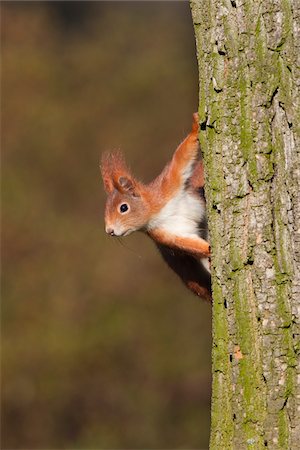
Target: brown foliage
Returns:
[[102, 347]]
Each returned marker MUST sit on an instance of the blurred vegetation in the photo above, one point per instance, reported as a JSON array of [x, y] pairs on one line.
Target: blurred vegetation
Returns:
[[102, 346]]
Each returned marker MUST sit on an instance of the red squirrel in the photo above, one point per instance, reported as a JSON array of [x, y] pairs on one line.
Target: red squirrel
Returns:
[[170, 209]]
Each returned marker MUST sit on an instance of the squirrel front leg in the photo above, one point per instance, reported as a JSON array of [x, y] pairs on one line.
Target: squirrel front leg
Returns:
[[195, 246], [183, 162]]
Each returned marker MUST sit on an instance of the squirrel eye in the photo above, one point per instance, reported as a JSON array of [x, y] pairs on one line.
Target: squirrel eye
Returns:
[[123, 208]]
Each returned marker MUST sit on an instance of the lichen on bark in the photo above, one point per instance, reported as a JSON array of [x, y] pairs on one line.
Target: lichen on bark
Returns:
[[249, 106]]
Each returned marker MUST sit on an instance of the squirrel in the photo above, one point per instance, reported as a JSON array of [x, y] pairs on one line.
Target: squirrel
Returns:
[[171, 210]]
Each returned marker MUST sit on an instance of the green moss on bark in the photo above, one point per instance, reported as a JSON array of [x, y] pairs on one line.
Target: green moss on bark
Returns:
[[247, 110]]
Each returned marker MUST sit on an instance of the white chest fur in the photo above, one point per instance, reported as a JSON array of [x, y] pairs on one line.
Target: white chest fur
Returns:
[[180, 216]]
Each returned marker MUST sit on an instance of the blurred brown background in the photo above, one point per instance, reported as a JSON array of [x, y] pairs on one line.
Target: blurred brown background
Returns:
[[103, 347]]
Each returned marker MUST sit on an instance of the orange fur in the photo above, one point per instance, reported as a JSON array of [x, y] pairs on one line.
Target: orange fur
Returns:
[[196, 247], [162, 188], [113, 167], [187, 152], [166, 209]]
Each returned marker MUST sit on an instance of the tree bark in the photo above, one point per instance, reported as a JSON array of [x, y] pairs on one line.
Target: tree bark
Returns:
[[248, 55]]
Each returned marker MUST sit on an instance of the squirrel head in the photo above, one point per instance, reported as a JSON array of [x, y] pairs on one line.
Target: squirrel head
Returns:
[[126, 209]]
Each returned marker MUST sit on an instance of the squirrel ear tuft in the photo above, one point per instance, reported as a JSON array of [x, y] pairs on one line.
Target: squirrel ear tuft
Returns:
[[116, 175], [108, 185], [105, 168]]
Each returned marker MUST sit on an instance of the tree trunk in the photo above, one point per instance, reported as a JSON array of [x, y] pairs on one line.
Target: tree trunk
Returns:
[[249, 114]]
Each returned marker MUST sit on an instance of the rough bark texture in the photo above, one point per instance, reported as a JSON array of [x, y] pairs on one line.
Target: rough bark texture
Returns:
[[248, 54]]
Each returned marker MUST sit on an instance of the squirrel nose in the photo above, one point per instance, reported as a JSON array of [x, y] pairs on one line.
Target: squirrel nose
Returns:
[[110, 231]]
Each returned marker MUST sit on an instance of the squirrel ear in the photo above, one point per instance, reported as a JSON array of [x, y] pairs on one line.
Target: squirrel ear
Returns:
[[105, 168], [127, 185], [107, 180], [108, 184]]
